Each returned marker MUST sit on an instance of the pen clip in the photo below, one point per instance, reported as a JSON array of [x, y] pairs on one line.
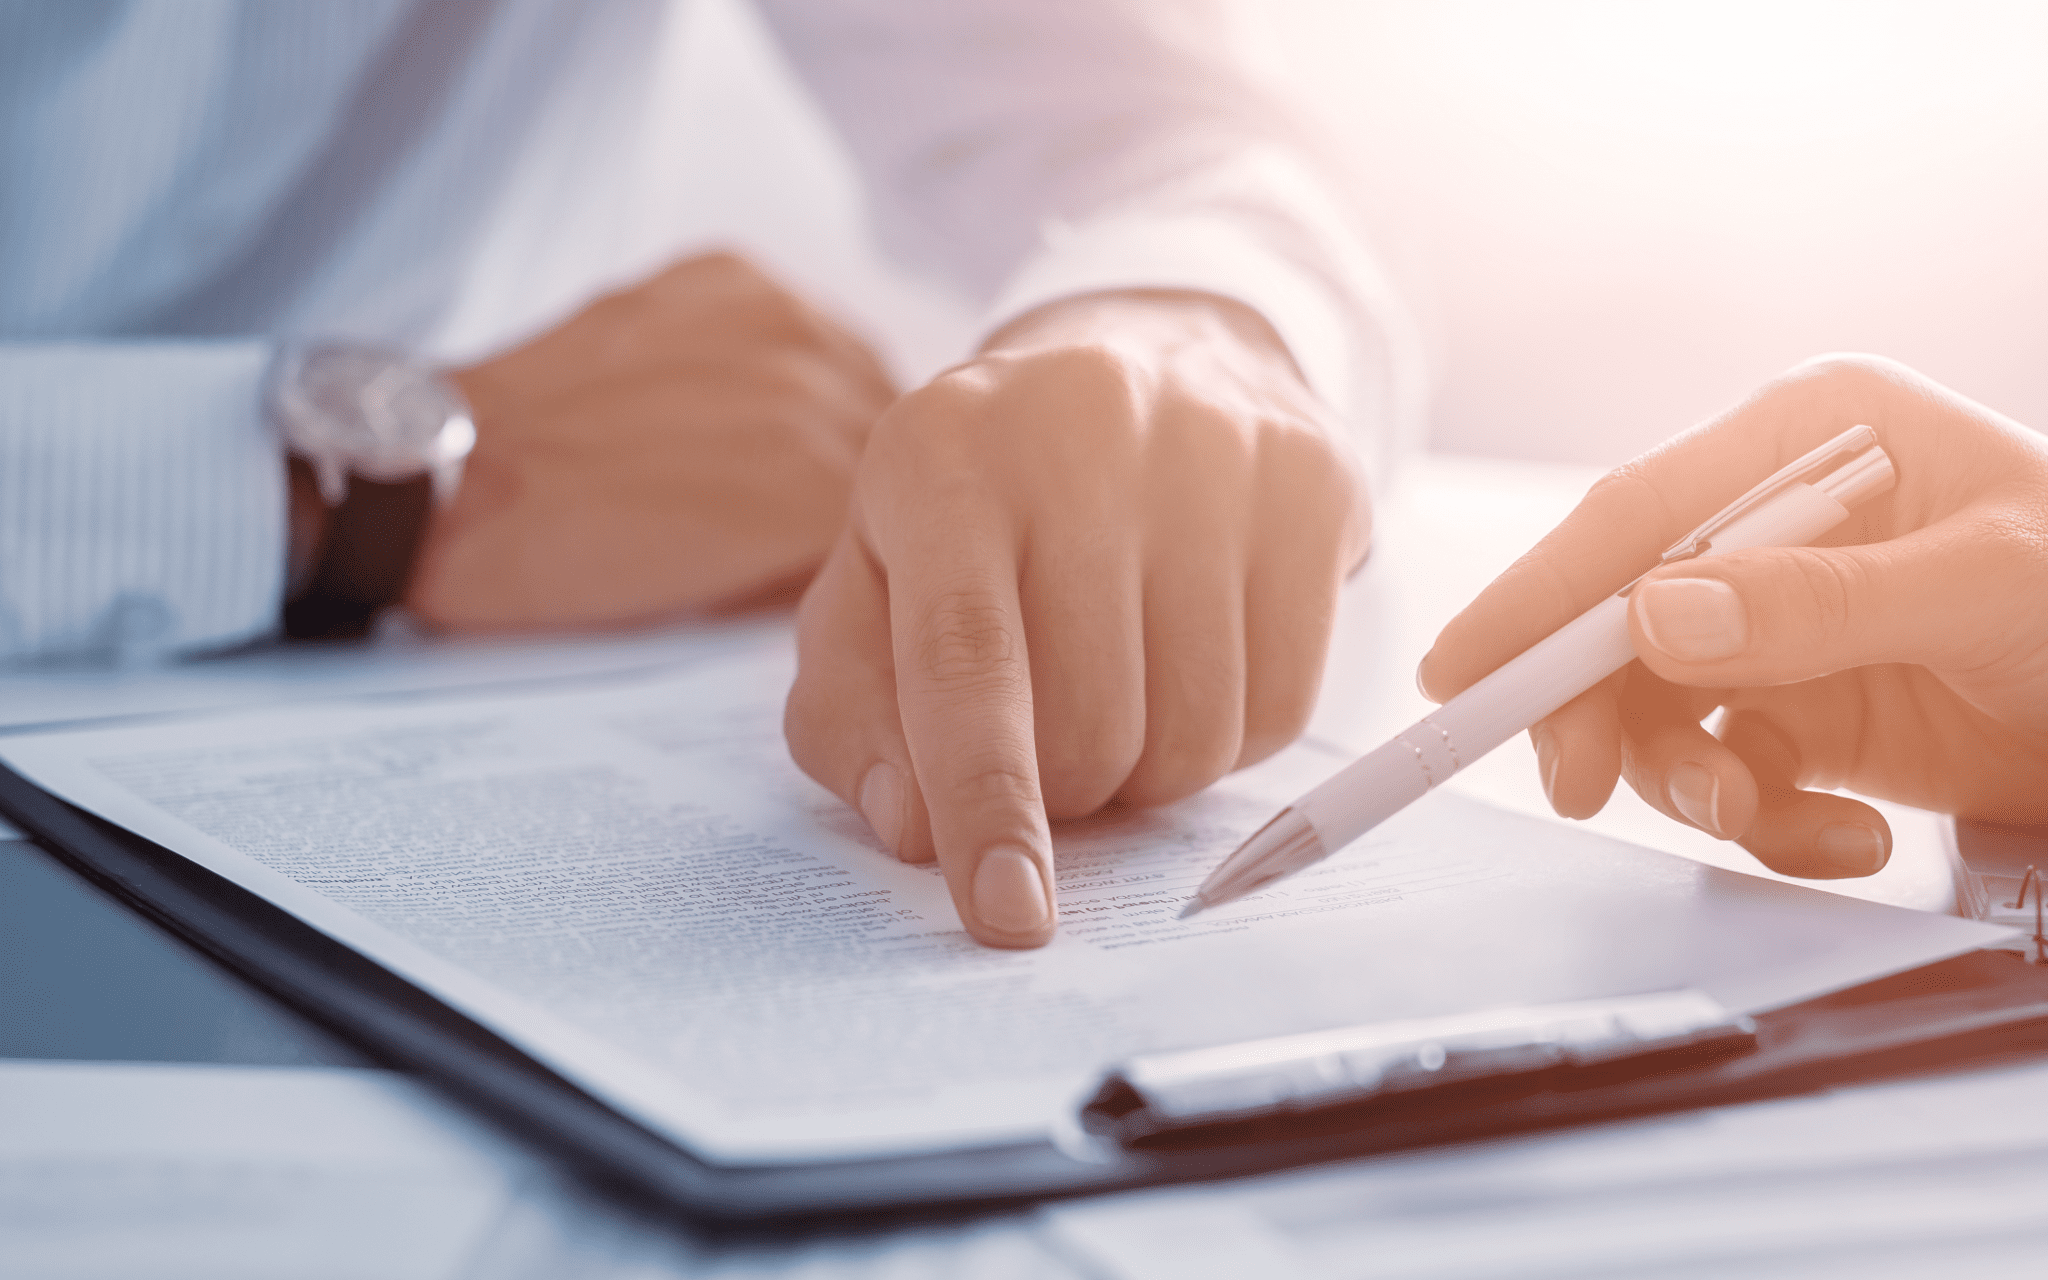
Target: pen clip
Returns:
[[1812, 466]]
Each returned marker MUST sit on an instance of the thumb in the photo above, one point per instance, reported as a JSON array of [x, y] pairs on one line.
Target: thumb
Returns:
[[1776, 615]]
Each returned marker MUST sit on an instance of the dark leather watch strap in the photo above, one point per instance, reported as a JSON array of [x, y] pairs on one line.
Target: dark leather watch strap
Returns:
[[366, 559]]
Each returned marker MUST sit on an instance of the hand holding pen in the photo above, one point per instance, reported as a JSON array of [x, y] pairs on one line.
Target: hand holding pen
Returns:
[[1906, 658]]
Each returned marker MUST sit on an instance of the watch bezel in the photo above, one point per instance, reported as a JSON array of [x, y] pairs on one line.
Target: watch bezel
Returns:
[[374, 441]]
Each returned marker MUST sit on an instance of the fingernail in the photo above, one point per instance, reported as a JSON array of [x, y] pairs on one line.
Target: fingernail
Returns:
[[1009, 894], [1851, 848], [881, 803], [1419, 686], [1695, 791], [1693, 619], [1546, 760]]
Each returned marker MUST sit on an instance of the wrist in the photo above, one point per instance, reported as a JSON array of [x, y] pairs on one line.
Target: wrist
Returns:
[[305, 525], [375, 440]]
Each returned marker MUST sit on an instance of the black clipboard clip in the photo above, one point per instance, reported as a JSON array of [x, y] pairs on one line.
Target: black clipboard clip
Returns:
[[1193, 1093]]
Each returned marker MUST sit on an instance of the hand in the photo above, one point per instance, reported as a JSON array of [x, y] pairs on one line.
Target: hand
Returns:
[[1098, 561], [1906, 657], [679, 446]]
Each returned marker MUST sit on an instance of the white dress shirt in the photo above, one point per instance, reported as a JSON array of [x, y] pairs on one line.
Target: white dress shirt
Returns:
[[185, 182]]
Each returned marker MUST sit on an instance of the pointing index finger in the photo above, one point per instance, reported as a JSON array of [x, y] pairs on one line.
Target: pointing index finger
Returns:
[[963, 685], [963, 678]]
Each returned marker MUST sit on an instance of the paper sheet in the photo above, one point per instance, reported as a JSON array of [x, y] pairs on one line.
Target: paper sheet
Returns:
[[630, 880]]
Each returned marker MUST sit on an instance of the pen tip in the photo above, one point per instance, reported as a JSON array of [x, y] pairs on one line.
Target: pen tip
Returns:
[[1194, 905]]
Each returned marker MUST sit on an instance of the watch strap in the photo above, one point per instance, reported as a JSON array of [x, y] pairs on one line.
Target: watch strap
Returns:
[[366, 559]]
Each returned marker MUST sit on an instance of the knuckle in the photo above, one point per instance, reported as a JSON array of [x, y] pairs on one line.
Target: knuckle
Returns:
[[1631, 490], [731, 271], [1851, 368], [967, 638], [1617, 486], [932, 424], [996, 784], [1076, 387], [933, 484], [1829, 586], [624, 311], [1086, 368], [1855, 385], [1304, 467], [722, 260]]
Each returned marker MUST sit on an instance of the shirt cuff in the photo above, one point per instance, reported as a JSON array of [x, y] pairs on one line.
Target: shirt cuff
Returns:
[[142, 499]]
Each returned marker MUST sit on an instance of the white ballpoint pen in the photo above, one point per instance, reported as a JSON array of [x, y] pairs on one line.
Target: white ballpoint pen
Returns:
[[1791, 508]]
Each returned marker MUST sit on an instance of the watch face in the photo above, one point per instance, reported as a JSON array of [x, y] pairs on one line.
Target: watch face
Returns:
[[369, 411]]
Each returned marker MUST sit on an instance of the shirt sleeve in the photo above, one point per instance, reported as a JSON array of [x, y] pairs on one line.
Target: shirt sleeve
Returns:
[[142, 499], [1044, 150]]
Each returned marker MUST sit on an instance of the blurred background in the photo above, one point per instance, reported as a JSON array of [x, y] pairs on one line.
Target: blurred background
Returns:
[[1612, 218]]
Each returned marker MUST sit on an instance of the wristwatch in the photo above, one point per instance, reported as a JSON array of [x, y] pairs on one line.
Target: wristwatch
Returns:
[[386, 436]]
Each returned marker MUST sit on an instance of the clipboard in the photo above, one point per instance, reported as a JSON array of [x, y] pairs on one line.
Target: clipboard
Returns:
[[1971, 1008]]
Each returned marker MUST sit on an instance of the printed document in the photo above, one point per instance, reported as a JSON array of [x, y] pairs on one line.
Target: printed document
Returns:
[[629, 880]]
